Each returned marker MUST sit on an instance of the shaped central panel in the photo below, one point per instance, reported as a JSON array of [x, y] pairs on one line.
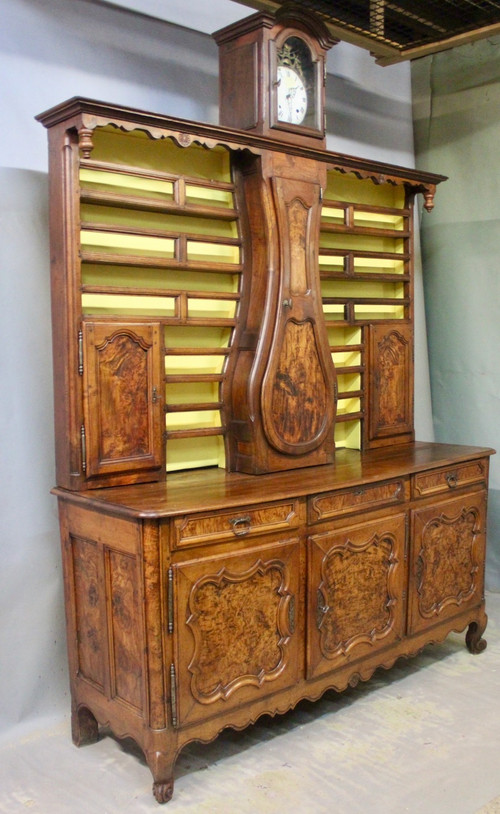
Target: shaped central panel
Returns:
[[283, 386]]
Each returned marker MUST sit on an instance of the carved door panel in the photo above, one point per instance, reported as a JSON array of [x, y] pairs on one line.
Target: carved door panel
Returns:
[[355, 592], [123, 416], [297, 399], [234, 629], [447, 568], [391, 397]]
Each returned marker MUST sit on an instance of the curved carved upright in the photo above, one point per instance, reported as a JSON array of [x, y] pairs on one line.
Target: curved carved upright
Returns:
[[283, 389]]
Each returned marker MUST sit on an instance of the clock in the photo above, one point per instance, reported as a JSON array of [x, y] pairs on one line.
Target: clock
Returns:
[[272, 75], [291, 96]]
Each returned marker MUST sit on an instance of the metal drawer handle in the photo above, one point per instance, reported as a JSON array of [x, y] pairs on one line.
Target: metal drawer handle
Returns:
[[241, 525], [451, 480]]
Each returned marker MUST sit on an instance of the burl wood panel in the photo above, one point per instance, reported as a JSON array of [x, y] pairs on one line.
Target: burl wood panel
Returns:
[[122, 396], [126, 628], [239, 522], [390, 388], [349, 501], [89, 610], [239, 611], [355, 592], [299, 395], [297, 400], [448, 559]]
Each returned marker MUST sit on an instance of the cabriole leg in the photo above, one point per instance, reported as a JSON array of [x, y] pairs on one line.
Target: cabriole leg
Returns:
[[162, 769], [473, 640], [84, 726]]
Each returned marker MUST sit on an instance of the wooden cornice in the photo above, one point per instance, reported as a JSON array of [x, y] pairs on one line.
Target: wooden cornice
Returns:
[[85, 115]]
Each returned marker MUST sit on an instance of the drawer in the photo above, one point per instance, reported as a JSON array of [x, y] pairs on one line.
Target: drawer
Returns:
[[242, 521], [438, 481], [348, 501]]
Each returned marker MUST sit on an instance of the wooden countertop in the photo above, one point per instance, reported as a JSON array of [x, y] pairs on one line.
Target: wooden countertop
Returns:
[[213, 488]]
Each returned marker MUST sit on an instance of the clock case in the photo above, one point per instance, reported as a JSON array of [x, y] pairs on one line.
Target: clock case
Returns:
[[248, 70]]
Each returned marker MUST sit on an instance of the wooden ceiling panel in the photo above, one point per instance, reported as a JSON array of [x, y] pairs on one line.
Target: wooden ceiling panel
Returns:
[[397, 30]]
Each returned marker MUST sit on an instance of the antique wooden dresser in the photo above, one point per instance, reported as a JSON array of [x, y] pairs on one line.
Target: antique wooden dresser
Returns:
[[246, 519]]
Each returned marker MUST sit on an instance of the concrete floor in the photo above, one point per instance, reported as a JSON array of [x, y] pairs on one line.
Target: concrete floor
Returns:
[[422, 738]]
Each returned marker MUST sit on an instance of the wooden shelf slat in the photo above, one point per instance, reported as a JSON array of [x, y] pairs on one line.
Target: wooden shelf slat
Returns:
[[161, 292], [197, 351], [346, 348], [197, 433], [155, 175], [146, 261], [194, 237], [193, 407], [365, 300], [349, 416], [186, 378], [349, 369], [373, 231], [355, 394], [363, 254], [145, 204], [358, 207]]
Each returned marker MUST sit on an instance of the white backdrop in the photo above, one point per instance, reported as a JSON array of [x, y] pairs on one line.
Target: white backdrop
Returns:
[[51, 50]]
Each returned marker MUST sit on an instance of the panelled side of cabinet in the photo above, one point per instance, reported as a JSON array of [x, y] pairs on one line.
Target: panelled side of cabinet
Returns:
[[65, 282]]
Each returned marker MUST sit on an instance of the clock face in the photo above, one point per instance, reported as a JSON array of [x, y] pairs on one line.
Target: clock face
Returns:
[[292, 96]]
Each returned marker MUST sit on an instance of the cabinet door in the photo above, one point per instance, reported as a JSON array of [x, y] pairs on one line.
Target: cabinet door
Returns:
[[234, 629], [447, 562], [356, 592], [122, 397], [391, 378]]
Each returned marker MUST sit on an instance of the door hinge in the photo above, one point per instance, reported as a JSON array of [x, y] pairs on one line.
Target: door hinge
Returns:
[[170, 601], [173, 696], [80, 353], [83, 441], [291, 615]]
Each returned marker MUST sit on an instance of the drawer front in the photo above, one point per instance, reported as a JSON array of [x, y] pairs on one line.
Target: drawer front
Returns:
[[245, 521], [440, 481], [348, 501]]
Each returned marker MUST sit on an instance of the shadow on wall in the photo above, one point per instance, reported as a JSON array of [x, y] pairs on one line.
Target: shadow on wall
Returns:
[[112, 42], [33, 674], [365, 116], [493, 549]]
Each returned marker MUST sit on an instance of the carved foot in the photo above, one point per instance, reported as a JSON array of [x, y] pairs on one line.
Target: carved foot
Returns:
[[84, 727], [475, 644], [161, 762], [163, 791]]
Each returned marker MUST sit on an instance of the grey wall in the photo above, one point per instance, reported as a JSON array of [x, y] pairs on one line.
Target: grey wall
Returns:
[[51, 50], [457, 132]]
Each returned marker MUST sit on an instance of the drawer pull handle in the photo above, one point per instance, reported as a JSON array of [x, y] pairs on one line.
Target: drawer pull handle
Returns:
[[241, 525], [451, 480]]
